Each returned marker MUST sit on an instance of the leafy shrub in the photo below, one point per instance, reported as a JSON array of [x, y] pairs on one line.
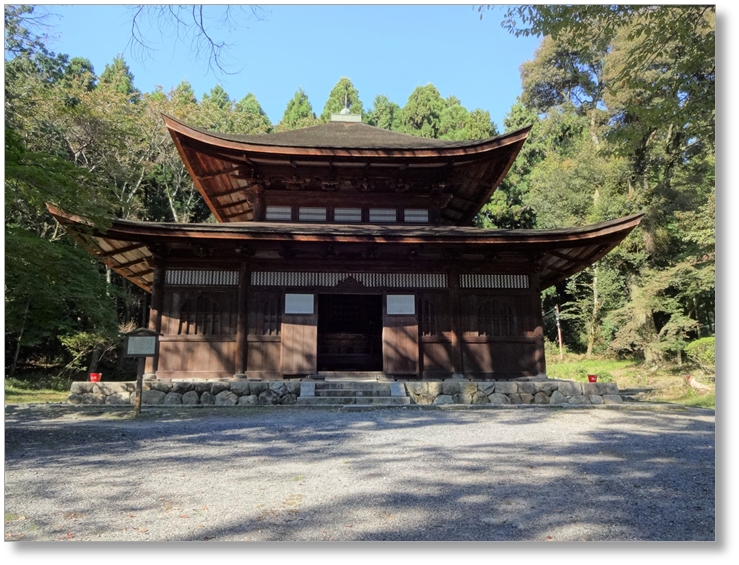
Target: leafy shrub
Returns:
[[702, 352]]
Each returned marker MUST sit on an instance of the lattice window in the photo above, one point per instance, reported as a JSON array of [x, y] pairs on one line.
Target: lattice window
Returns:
[[496, 319], [200, 316], [347, 215], [271, 317], [428, 318], [306, 214], [278, 214], [416, 216], [383, 215]]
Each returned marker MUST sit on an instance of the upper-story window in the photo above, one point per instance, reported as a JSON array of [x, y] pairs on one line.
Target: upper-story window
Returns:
[[347, 215], [279, 213], [416, 216], [382, 215], [306, 214]]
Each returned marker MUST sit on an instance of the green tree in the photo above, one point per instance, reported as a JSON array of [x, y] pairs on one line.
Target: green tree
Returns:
[[421, 115], [384, 114], [117, 76], [298, 114], [342, 95], [249, 117]]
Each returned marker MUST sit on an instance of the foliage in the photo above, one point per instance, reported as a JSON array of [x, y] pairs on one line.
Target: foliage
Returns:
[[384, 114], [344, 94], [702, 352], [298, 114]]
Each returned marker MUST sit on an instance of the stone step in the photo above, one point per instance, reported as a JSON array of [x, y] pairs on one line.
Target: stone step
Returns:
[[353, 386], [355, 376], [363, 401], [350, 392]]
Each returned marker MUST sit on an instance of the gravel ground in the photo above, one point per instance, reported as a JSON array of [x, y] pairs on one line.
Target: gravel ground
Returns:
[[299, 474]]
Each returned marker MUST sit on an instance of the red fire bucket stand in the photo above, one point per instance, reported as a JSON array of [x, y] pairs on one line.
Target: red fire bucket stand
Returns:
[[95, 377], [592, 378]]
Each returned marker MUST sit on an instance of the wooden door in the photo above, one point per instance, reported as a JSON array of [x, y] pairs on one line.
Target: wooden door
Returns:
[[400, 344], [299, 343]]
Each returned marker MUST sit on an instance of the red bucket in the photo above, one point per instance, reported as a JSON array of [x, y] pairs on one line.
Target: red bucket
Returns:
[[592, 378], [95, 377]]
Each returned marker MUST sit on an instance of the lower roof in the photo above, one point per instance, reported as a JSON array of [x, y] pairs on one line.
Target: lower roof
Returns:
[[126, 247]]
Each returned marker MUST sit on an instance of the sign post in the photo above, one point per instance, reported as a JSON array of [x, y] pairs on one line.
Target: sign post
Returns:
[[140, 343]]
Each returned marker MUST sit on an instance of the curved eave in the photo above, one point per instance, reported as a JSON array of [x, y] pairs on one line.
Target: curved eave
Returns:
[[129, 258], [557, 254], [475, 169]]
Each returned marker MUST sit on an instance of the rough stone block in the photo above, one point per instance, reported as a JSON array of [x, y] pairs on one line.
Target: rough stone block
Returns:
[[480, 398], [202, 387], [306, 389], [579, 399], [162, 386], [541, 398], [278, 388], [226, 398], [528, 388], [424, 399], [467, 388], [288, 399], [397, 389], [152, 397], [434, 389], [74, 399], [191, 398], [269, 397], [448, 388], [218, 387], [416, 389], [486, 387], [108, 388], [548, 387], [570, 389], [498, 398], [80, 387], [249, 400], [241, 388], [595, 399], [599, 388], [182, 387], [292, 387], [257, 387], [118, 398], [506, 387], [443, 399], [93, 398], [612, 399], [462, 398], [207, 398], [521, 398], [173, 398], [557, 398]]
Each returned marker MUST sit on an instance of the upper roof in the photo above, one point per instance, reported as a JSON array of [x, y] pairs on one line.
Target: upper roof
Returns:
[[349, 159]]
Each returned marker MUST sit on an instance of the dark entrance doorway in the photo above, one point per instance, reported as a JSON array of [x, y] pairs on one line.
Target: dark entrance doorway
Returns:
[[349, 332]]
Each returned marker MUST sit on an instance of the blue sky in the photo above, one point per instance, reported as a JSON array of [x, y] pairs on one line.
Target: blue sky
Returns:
[[383, 49]]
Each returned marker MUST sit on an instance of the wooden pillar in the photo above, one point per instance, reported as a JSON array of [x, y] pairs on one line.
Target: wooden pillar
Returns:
[[260, 209], [241, 322], [539, 357], [457, 368], [155, 314]]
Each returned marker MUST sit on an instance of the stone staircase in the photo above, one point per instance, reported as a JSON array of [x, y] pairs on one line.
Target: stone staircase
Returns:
[[352, 393], [635, 394]]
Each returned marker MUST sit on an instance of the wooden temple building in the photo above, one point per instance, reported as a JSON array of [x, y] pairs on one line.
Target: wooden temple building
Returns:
[[345, 248]]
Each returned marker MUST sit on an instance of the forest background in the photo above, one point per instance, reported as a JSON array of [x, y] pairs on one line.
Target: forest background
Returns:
[[622, 102]]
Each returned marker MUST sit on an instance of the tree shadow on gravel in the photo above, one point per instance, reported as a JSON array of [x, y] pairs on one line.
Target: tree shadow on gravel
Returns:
[[378, 475]]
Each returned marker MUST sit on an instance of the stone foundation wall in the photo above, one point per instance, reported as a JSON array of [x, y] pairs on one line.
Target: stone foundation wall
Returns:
[[174, 393], [507, 392], [253, 393]]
